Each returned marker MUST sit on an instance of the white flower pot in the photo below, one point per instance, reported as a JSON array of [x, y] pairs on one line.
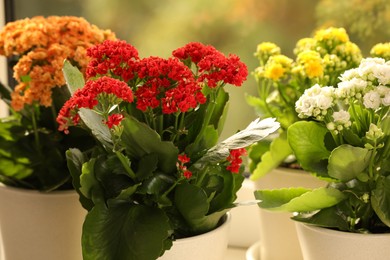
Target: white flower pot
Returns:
[[208, 246], [323, 244], [278, 235], [253, 252], [40, 226]]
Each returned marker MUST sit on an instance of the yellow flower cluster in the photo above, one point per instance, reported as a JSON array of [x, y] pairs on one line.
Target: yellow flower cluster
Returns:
[[336, 51], [281, 80], [41, 45], [381, 50]]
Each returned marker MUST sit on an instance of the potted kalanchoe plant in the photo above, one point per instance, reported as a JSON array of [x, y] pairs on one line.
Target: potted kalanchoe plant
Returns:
[[31, 148], [281, 81], [40, 216], [343, 139], [157, 173]]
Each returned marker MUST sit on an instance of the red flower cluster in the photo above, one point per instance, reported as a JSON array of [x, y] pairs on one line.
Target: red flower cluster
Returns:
[[114, 119], [183, 159], [214, 66], [117, 57], [235, 160], [169, 83], [164, 86], [194, 51], [87, 98]]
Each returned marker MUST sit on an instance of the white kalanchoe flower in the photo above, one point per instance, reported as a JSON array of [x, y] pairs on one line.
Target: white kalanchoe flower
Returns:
[[374, 132], [368, 66], [382, 73], [352, 88], [384, 93], [315, 102], [372, 100], [341, 119], [349, 74]]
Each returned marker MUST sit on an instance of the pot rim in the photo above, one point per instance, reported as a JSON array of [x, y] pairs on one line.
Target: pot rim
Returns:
[[32, 192], [333, 232], [226, 218]]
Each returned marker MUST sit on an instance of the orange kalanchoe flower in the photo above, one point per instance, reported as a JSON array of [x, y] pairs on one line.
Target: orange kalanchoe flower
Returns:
[[43, 44]]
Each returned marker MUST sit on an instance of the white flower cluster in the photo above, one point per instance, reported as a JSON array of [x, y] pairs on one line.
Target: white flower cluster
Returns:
[[315, 102], [367, 86], [369, 81]]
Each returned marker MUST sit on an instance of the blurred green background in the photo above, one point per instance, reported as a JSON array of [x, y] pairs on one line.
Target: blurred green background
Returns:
[[158, 27]]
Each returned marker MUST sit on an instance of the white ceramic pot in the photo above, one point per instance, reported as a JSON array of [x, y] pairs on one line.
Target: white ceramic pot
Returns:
[[323, 244], [208, 246], [252, 253], [278, 235], [40, 226]]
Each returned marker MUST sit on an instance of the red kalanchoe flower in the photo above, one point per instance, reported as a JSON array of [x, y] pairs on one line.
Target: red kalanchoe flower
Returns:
[[194, 51], [114, 119], [182, 160], [87, 98], [169, 84], [217, 68], [235, 160], [214, 67], [117, 57]]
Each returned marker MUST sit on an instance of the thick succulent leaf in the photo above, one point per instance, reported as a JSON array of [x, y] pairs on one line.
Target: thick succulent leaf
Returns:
[[279, 150], [254, 132], [380, 199], [307, 140], [219, 115], [346, 162], [124, 231], [73, 77], [298, 199], [75, 159], [74, 81], [192, 203], [140, 140], [327, 217]]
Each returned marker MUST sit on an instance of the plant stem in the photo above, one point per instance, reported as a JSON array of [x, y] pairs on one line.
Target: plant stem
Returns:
[[209, 112], [125, 164], [35, 130]]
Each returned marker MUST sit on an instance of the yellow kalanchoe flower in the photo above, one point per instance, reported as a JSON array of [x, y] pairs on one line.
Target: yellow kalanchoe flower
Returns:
[[265, 50], [305, 44], [381, 50], [277, 67], [310, 64], [331, 36]]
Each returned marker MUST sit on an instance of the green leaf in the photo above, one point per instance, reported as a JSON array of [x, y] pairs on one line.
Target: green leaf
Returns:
[[192, 203], [385, 125], [327, 217], [298, 199], [125, 231], [73, 77], [75, 159], [278, 152], [5, 93], [140, 140], [307, 140], [95, 122], [219, 115], [347, 162], [74, 81], [380, 199], [258, 104]]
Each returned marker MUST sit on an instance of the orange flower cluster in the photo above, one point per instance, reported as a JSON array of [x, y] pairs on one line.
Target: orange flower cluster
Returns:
[[42, 45]]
